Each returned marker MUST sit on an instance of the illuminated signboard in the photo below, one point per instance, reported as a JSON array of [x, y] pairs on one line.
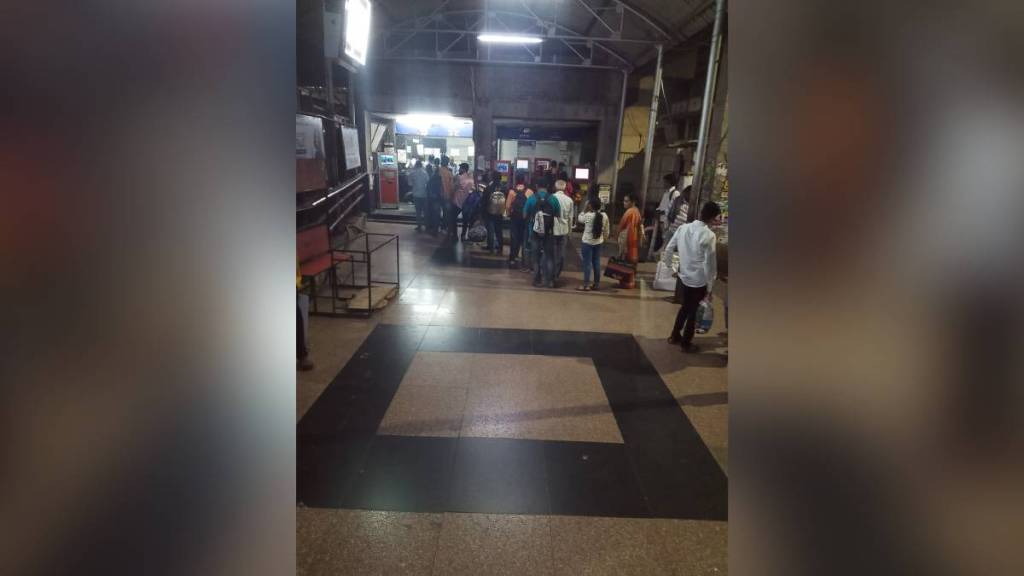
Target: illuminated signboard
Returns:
[[357, 29]]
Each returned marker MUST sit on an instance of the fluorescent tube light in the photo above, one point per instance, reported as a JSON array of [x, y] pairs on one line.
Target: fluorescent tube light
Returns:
[[509, 39]]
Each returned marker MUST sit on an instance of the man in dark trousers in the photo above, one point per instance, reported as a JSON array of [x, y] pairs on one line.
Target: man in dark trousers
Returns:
[[698, 268]]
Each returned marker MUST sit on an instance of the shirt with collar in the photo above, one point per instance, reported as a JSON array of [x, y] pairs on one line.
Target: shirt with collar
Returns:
[[695, 243], [561, 225], [418, 182]]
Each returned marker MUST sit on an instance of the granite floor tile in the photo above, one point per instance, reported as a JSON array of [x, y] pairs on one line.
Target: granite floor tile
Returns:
[[629, 546], [425, 410], [495, 545], [369, 543], [497, 475]]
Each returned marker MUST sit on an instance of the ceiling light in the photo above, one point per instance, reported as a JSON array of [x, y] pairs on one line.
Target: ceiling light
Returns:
[[509, 39]]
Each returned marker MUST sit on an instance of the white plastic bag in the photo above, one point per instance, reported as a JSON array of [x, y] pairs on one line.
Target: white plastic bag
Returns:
[[664, 277]]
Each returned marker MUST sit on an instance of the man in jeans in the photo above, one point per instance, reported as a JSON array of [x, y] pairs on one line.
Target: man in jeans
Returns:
[[542, 238], [515, 204], [697, 270], [418, 182], [562, 225]]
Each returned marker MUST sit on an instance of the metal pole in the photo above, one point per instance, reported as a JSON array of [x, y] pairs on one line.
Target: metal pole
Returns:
[[699, 158], [618, 139], [651, 125]]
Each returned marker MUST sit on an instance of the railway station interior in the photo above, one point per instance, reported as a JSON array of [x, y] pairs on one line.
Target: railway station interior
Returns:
[[473, 397]]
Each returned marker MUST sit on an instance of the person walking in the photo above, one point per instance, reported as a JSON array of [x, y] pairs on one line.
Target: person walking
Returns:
[[563, 224], [542, 209], [418, 184], [515, 203], [698, 268], [631, 233], [595, 230]]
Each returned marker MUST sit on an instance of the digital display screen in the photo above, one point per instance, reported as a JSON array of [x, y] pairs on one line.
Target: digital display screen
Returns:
[[581, 174], [522, 164], [502, 167]]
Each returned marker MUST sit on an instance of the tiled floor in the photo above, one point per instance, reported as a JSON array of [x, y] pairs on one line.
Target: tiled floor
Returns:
[[501, 396], [481, 426]]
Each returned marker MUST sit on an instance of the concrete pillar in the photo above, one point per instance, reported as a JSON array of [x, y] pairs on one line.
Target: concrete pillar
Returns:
[[482, 116], [483, 131], [607, 132]]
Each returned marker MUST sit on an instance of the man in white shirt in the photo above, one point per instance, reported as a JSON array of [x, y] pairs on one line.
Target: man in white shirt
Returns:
[[698, 269], [562, 224]]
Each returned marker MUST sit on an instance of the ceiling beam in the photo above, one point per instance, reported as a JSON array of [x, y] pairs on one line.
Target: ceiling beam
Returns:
[[496, 62], [570, 33]]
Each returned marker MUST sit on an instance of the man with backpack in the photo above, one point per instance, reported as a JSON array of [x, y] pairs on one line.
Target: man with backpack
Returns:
[[515, 205], [494, 213], [541, 210]]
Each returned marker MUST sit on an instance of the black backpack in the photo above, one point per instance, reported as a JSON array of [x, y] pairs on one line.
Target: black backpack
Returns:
[[518, 204], [544, 217]]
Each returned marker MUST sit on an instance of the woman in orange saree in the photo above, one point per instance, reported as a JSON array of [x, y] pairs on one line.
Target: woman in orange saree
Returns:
[[631, 231]]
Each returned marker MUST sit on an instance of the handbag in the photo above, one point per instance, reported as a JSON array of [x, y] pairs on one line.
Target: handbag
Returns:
[[623, 240], [620, 270], [478, 233]]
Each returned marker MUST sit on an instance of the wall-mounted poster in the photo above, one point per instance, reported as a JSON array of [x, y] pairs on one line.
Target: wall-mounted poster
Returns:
[[309, 137], [350, 140], [310, 166]]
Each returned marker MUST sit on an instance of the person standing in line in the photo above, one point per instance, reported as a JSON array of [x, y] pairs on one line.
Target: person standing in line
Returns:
[[698, 268], [631, 233], [528, 232], [463, 188], [435, 193], [515, 203], [563, 224], [447, 192], [418, 184], [595, 230], [494, 212], [541, 210]]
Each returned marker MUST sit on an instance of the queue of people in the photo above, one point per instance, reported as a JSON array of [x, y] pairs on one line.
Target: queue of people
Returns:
[[540, 218]]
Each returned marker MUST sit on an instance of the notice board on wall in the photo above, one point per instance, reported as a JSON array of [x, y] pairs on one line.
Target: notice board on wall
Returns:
[[350, 140], [310, 164]]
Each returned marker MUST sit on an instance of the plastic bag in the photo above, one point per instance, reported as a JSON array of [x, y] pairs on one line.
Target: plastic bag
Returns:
[[705, 317], [664, 278]]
